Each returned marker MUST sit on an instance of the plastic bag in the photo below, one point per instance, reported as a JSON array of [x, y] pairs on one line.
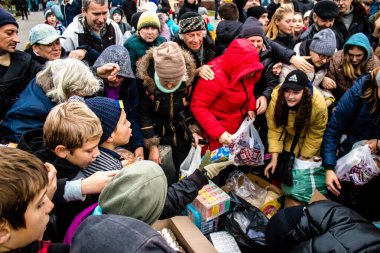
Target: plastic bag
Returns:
[[246, 224], [307, 176], [357, 167], [246, 147], [191, 162], [243, 187]]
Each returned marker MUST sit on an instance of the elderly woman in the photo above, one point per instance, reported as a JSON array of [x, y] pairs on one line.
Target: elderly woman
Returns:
[[147, 36], [59, 80], [355, 59], [167, 72], [357, 116]]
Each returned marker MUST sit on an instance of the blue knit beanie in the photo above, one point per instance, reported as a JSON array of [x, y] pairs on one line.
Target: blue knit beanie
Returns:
[[6, 18], [108, 111]]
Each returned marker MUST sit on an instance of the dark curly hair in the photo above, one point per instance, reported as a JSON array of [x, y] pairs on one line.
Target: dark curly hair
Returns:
[[303, 113]]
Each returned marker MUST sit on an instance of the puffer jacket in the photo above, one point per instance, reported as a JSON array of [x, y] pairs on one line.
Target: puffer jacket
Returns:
[[309, 143], [350, 117], [326, 226], [226, 32], [158, 113], [336, 73], [137, 48], [220, 104]]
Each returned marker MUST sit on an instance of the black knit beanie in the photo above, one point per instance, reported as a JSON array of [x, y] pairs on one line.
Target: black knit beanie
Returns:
[[256, 11], [6, 18], [252, 27]]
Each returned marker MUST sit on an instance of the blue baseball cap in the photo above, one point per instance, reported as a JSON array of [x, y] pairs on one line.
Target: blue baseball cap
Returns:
[[43, 34]]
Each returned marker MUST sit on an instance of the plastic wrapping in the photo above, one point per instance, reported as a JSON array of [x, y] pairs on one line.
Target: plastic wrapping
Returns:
[[191, 162]]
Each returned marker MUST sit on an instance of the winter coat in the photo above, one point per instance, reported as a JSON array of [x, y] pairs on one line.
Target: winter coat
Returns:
[[56, 8], [220, 104], [309, 143], [336, 73], [350, 117], [77, 35], [309, 33], [44, 247], [173, 28], [316, 78], [287, 41], [29, 112], [209, 50], [359, 24], [122, 25], [70, 10], [226, 32], [15, 78], [137, 48], [163, 6], [32, 142], [187, 7], [129, 7], [158, 110], [326, 226], [240, 6]]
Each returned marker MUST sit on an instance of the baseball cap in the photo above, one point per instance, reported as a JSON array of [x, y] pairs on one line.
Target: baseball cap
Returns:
[[43, 34]]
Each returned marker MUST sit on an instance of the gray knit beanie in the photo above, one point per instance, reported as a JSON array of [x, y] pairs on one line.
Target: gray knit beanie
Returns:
[[324, 42]]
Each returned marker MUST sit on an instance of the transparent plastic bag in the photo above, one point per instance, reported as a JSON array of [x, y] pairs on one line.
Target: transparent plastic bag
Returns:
[[251, 192], [191, 162], [246, 147], [357, 167]]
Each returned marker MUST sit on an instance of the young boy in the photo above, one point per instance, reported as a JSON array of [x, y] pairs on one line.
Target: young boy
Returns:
[[26, 186], [229, 28], [51, 19], [117, 14], [69, 141]]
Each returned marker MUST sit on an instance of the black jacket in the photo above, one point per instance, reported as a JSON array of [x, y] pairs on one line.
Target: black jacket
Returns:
[[287, 41], [187, 7], [326, 226], [15, 78], [129, 7], [32, 142], [226, 32], [360, 23]]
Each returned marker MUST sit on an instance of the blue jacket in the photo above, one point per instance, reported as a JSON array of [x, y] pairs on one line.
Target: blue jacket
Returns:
[[29, 112], [351, 117], [69, 11]]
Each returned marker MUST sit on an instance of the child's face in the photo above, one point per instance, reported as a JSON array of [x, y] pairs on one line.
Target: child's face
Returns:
[[84, 155], [52, 20], [204, 16], [298, 23], [306, 21], [116, 17], [36, 218], [123, 131]]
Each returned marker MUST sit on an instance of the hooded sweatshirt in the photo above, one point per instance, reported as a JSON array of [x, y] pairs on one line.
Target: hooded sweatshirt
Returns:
[[122, 25], [226, 32]]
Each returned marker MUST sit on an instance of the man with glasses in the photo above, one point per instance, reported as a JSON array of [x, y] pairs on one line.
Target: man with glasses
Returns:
[[324, 14], [352, 19]]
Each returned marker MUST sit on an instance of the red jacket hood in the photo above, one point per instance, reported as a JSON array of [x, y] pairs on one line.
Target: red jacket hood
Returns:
[[240, 59]]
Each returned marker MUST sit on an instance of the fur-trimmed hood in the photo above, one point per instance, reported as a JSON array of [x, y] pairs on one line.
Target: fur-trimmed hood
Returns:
[[145, 69]]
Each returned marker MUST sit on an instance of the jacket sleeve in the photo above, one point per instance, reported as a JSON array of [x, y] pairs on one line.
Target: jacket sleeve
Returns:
[[146, 112], [281, 53], [205, 94], [275, 140], [313, 139], [182, 193], [270, 80], [272, 7], [132, 54], [342, 116], [67, 41]]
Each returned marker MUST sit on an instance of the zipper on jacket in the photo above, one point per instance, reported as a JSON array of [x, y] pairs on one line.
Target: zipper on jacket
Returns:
[[171, 120]]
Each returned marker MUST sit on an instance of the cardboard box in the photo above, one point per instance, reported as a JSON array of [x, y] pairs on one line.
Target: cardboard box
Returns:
[[188, 235], [317, 196]]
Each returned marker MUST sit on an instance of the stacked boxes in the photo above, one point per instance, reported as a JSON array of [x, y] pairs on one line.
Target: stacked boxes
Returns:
[[211, 202], [206, 227]]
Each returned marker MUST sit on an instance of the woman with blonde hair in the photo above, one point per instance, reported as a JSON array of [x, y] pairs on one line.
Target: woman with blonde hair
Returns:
[[59, 80], [356, 116], [354, 60], [280, 28]]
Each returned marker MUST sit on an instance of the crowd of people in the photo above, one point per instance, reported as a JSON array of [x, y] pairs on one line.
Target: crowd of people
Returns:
[[102, 84]]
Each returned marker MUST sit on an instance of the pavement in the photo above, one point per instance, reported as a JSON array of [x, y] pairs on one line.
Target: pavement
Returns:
[[34, 18]]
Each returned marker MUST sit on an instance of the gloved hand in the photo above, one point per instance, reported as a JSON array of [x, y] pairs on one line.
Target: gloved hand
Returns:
[[214, 169]]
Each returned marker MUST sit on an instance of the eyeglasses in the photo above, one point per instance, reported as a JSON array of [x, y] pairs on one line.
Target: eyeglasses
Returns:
[[324, 57]]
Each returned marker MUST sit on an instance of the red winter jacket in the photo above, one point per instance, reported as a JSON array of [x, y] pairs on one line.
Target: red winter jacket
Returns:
[[220, 105]]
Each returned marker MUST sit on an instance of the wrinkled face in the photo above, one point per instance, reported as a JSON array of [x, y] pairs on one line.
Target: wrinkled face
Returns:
[[285, 25], [264, 20], [149, 33], [298, 23], [319, 59], [52, 19], [344, 6], [257, 41], [116, 17], [193, 40], [36, 218], [356, 55], [323, 23], [50, 52], [123, 130], [96, 16], [8, 38], [292, 97], [84, 155]]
